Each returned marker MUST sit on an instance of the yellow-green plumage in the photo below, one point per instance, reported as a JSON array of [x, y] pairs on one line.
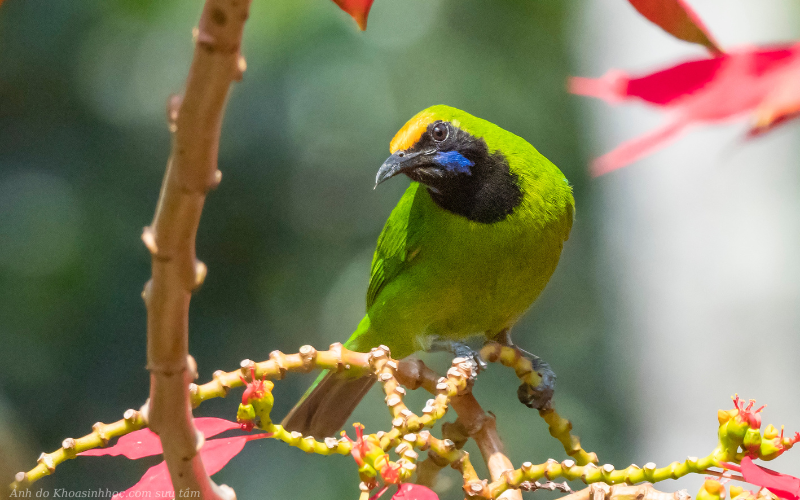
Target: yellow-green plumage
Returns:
[[439, 274]]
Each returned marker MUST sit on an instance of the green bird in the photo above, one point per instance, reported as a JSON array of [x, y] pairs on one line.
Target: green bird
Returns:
[[469, 247]]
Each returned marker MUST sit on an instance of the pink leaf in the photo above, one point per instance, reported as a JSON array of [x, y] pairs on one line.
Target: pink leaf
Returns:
[[409, 491], [633, 150], [218, 452], [783, 485], [678, 19], [138, 444], [764, 83], [781, 104], [215, 454], [358, 9], [211, 426], [155, 480], [145, 443]]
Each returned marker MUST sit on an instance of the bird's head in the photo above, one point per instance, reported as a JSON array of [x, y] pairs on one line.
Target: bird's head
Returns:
[[463, 160]]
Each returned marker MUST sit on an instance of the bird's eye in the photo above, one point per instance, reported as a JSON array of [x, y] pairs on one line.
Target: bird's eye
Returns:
[[439, 132]]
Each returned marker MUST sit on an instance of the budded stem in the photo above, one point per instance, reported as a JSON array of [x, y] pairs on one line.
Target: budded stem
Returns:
[[195, 121]]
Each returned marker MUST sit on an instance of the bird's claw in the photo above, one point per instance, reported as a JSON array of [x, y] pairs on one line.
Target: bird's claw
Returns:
[[466, 354], [541, 396], [538, 398], [463, 354]]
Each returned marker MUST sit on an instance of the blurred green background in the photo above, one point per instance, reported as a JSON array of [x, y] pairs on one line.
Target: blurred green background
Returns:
[[289, 234]]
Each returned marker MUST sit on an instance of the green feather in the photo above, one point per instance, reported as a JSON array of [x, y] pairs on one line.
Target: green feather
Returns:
[[436, 273], [439, 274]]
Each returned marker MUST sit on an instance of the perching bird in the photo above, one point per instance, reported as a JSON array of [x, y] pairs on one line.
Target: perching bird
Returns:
[[469, 247]]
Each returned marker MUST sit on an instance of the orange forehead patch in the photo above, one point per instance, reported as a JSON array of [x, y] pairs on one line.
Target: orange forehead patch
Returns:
[[411, 132]]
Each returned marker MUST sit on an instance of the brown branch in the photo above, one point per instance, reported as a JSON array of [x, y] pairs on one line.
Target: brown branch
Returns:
[[407, 433], [482, 427], [644, 491], [428, 469], [478, 425], [196, 120]]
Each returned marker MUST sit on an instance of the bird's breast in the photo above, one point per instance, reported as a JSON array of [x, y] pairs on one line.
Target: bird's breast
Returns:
[[486, 275]]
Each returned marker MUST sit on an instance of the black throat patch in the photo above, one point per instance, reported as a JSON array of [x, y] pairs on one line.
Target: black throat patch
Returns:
[[488, 194]]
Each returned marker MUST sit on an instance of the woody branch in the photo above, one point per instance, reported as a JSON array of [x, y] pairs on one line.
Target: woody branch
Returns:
[[739, 430], [195, 121]]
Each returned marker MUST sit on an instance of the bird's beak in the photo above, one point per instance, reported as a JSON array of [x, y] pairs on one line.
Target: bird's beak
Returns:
[[401, 162]]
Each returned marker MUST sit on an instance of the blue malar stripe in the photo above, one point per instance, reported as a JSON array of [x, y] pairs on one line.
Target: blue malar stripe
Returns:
[[454, 162]]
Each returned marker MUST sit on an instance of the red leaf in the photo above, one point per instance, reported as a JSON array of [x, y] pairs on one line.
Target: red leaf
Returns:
[[155, 480], [145, 443], [783, 485], [138, 444], [765, 83], [215, 454], [218, 452], [677, 19], [409, 491], [211, 426], [781, 104], [359, 9]]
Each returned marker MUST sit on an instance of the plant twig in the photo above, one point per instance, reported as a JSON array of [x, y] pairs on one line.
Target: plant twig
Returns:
[[644, 491], [370, 451], [408, 431], [429, 469], [477, 424], [195, 121], [558, 426], [482, 427], [100, 435]]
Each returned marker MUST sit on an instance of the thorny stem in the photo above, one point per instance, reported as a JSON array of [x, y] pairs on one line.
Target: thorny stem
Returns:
[[100, 435], [591, 473], [559, 427], [407, 431], [407, 428], [479, 425], [195, 121], [645, 491], [429, 469], [482, 428], [276, 367], [476, 423], [738, 428]]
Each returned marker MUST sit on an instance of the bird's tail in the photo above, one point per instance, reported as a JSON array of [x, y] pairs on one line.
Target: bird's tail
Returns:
[[328, 403], [325, 408]]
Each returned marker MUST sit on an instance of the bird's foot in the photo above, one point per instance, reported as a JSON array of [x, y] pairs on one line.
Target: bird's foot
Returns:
[[463, 354], [540, 396]]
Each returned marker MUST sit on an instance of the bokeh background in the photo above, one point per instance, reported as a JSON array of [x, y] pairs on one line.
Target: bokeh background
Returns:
[[678, 287]]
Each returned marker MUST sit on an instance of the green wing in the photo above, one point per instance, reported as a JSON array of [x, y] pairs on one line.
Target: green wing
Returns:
[[398, 243]]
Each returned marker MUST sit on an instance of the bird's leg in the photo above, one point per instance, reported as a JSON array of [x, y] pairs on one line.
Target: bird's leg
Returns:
[[460, 350], [538, 397]]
